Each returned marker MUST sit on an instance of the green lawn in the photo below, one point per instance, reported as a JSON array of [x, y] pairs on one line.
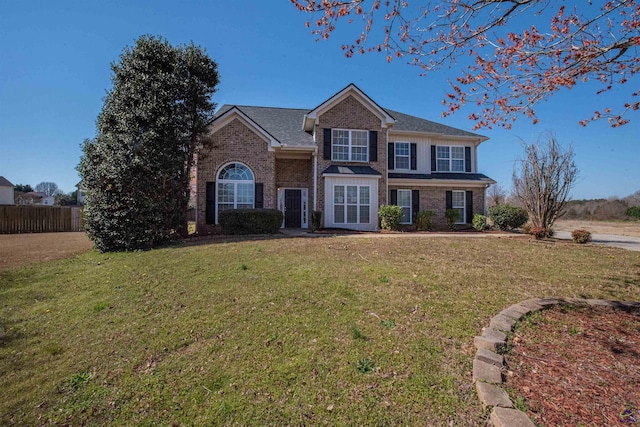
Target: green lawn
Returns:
[[327, 331]]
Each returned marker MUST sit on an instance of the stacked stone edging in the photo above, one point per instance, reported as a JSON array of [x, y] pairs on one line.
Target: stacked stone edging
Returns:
[[488, 364]]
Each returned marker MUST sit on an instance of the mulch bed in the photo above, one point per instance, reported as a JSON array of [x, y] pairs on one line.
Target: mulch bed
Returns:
[[577, 367]]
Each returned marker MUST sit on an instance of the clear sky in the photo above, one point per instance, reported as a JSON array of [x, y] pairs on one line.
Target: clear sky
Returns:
[[55, 61]]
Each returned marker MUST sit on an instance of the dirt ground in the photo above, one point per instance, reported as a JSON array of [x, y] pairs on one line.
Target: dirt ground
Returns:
[[620, 228], [21, 249]]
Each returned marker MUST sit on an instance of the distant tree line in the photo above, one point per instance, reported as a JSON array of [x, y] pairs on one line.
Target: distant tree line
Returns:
[[612, 208]]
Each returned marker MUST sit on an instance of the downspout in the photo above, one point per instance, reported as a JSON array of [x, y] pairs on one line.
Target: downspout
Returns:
[[315, 179]]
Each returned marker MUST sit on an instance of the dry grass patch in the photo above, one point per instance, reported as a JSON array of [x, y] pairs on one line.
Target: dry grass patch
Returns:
[[22, 249], [338, 331]]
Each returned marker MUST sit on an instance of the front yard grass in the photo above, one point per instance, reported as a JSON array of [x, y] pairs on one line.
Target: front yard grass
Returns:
[[325, 331]]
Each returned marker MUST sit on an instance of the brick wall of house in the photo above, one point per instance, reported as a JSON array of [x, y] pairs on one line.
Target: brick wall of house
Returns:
[[435, 199], [351, 114], [295, 173], [235, 142]]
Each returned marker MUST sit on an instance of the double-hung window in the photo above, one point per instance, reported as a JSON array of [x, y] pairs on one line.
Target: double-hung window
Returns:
[[351, 204], [402, 155], [350, 145], [457, 203], [404, 201], [450, 158]]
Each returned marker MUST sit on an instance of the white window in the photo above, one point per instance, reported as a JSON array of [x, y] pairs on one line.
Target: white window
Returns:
[[402, 155], [349, 145], [450, 159], [235, 189], [351, 204], [457, 203], [404, 201]]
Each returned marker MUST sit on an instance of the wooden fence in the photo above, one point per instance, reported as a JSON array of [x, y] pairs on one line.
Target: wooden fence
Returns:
[[39, 219]]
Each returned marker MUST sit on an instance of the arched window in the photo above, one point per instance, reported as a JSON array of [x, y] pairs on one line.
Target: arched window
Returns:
[[236, 188]]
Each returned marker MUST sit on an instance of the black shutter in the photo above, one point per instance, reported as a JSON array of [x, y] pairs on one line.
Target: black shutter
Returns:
[[467, 159], [391, 159], [414, 157], [469, 207], [433, 158], [259, 196], [373, 145], [394, 197], [415, 202], [210, 206], [327, 144], [449, 202]]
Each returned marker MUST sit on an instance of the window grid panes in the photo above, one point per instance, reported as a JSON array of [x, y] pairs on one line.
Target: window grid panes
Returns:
[[351, 204], [457, 203], [236, 189], [402, 155], [450, 159], [404, 201], [350, 145]]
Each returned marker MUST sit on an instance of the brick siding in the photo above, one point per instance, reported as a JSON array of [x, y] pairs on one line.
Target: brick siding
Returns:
[[235, 142], [351, 114]]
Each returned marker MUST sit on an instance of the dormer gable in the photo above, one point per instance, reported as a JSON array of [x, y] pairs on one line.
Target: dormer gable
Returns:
[[312, 117]]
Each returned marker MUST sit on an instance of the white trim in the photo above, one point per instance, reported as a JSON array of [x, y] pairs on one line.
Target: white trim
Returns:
[[350, 145], [304, 205], [232, 181], [462, 220], [315, 181], [439, 136], [410, 204], [438, 182], [408, 156], [357, 180]]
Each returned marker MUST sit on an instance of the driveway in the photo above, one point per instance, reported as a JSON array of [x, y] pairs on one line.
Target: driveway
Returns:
[[625, 242]]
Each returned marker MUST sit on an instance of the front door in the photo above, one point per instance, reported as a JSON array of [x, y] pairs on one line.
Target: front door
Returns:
[[293, 208]]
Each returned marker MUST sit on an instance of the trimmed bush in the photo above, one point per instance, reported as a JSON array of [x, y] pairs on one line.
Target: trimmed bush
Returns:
[[250, 221], [479, 222], [633, 212], [316, 220], [581, 236], [390, 216], [540, 232], [507, 217], [451, 216], [424, 220]]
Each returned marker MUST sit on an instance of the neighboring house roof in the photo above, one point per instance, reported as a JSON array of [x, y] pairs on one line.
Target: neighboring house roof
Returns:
[[4, 182], [444, 176], [351, 170]]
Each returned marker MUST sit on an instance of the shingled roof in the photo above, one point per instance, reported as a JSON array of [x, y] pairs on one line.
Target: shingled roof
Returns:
[[285, 124], [4, 182]]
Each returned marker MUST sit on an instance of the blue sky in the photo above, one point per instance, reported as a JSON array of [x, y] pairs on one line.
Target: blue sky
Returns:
[[55, 69]]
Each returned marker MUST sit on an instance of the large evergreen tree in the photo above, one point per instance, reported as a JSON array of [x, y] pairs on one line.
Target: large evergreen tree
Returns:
[[136, 169]]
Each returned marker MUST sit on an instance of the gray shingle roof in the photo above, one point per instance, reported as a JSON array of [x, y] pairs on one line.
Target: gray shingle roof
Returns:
[[4, 182], [405, 122], [444, 176], [285, 124]]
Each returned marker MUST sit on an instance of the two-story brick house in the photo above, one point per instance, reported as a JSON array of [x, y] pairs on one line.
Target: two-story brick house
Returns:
[[346, 157]]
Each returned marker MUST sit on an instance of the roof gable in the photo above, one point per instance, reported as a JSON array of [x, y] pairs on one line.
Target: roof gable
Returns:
[[311, 117], [4, 182], [234, 113]]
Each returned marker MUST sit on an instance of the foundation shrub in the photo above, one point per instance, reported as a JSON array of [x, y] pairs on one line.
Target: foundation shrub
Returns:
[[479, 222], [250, 221], [390, 216], [424, 220], [507, 217]]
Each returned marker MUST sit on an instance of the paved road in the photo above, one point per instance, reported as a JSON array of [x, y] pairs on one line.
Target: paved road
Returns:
[[624, 242]]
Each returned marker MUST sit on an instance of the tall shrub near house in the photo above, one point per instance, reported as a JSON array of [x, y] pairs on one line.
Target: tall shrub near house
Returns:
[[136, 169]]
